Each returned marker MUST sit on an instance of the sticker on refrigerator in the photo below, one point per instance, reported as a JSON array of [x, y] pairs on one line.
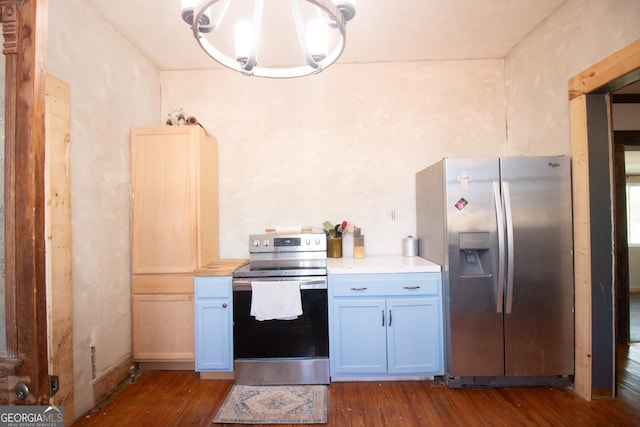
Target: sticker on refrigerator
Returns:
[[461, 203], [464, 179]]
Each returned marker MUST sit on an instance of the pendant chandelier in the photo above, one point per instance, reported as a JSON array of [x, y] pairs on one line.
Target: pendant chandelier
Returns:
[[305, 37]]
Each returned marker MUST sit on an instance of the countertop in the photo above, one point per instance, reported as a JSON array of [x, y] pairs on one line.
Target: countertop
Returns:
[[381, 264], [220, 267]]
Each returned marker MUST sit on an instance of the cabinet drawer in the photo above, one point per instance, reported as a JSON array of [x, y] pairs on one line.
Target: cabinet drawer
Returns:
[[408, 284], [162, 284], [213, 287]]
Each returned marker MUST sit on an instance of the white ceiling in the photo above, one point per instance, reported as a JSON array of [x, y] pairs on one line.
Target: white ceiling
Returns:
[[381, 31]]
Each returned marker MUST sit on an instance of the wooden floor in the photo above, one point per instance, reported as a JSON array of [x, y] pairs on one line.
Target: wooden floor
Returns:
[[180, 398]]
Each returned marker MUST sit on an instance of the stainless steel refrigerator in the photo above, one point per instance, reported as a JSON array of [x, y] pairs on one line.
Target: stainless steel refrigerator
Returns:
[[502, 230]]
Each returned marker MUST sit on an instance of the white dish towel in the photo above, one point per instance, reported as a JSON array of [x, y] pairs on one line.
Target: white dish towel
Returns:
[[276, 300]]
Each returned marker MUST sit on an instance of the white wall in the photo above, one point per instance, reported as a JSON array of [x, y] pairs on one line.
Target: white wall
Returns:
[[344, 144], [626, 116], [112, 89], [538, 70]]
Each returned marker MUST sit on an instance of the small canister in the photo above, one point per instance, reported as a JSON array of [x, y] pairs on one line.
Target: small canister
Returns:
[[358, 246], [334, 247], [409, 246]]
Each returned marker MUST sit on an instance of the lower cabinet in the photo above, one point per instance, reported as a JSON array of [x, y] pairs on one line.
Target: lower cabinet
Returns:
[[161, 328], [162, 318], [385, 325], [213, 324]]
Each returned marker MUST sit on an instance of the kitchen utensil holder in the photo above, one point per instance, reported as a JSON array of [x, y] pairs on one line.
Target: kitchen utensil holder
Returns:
[[358, 247], [334, 247]]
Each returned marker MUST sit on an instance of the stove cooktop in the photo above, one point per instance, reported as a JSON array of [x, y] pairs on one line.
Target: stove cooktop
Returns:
[[247, 272]]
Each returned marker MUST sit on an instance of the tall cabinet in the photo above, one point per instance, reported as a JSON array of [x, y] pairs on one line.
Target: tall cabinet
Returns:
[[174, 230]]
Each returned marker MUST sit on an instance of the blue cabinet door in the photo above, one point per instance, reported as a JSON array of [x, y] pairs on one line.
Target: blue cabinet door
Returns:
[[413, 335], [213, 324], [359, 342], [213, 349]]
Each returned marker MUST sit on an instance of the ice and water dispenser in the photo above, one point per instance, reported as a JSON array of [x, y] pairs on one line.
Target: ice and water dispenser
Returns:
[[475, 254]]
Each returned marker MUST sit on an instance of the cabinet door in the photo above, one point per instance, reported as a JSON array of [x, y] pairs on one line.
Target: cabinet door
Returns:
[[358, 342], [413, 334], [213, 337], [163, 328], [163, 202]]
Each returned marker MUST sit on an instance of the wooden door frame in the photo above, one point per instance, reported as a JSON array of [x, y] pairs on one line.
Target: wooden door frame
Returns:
[[586, 92], [24, 24]]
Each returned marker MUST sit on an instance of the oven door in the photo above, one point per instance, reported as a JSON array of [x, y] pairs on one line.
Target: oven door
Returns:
[[305, 337]]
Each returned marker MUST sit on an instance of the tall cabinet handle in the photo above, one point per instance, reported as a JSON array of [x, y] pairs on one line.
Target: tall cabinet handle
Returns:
[[500, 222], [383, 318], [390, 317], [509, 220]]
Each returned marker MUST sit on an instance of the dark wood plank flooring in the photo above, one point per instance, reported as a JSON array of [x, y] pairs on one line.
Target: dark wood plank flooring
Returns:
[[180, 398]]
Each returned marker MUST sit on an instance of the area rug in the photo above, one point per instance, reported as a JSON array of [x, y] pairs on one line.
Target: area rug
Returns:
[[247, 404]]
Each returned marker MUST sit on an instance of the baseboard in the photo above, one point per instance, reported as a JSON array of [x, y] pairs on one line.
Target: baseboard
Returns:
[[166, 366], [107, 383], [216, 375]]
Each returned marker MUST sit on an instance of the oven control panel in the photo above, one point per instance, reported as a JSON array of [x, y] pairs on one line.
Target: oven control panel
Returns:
[[273, 242]]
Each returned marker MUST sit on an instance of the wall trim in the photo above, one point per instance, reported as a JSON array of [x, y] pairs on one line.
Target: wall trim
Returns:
[[106, 384]]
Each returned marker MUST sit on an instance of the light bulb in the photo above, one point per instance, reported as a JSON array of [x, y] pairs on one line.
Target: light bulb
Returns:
[[317, 39], [244, 41]]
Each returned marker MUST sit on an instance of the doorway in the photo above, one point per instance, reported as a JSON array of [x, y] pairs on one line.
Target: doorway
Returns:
[[592, 136], [627, 226], [632, 187]]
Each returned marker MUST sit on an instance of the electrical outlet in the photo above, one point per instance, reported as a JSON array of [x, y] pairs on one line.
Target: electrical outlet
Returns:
[[393, 216]]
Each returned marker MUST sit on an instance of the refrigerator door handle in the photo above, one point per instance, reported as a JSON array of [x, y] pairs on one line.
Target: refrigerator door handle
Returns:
[[500, 222], [509, 223]]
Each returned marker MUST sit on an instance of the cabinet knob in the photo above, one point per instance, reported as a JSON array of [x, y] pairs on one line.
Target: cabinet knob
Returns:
[[224, 305]]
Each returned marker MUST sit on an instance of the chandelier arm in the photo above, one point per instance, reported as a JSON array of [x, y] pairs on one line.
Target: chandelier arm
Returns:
[[220, 15], [258, 8], [302, 34], [197, 27], [339, 21]]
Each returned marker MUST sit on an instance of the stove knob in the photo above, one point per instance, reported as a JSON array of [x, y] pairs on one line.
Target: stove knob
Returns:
[[318, 242], [265, 242], [256, 243], [308, 242]]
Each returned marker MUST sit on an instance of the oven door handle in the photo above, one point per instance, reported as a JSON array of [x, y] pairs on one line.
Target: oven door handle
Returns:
[[245, 285]]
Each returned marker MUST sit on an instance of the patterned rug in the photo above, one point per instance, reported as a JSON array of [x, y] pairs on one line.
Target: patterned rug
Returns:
[[274, 405]]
